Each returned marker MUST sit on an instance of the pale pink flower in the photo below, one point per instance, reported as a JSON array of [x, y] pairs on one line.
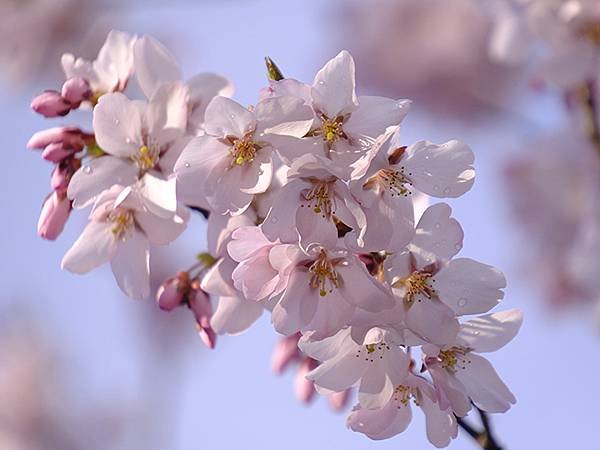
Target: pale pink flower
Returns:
[[233, 160], [434, 286], [395, 416], [395, 173], [155, 66], [377, 364], [234, 313], [460, 373], [138, 138], [122, 225], [112, 68], [311, 203], [345, 126]]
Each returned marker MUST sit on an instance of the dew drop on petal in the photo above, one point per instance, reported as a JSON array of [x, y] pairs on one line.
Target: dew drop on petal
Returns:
[[187, 165], [462, 302], [476, 333], [447, 191], [128, 140], [232, 116], [117, 121], [274, 219], [436, 188], [87, 169], [457, 246], [321, 82], [438, 225]]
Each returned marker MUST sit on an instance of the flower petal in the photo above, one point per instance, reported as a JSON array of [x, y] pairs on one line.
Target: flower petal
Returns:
[[225, 117], [490, 332], [333, 90], [94, 247], [131, 266], [235, 315], [154, 65], [117, 125]]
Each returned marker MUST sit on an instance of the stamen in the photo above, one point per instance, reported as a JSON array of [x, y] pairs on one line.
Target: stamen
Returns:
[[454, 358], [319, 198], [243, 151], [123, 222], [146, 158], [373, 352], [416, 283], [324, 276], [391, 180]]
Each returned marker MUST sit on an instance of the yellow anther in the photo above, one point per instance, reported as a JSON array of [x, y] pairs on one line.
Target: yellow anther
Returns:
[[123, 221], [416, 283], [146, 158], [323, 274], [243, 150], [370, 348]]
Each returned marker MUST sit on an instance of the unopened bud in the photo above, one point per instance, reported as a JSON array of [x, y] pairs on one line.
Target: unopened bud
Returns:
[[51, 104], [305, 389], [75, 90], [199, 303], [56, 152], [70, 137], [172, 291], [54, 215], [285, 352]]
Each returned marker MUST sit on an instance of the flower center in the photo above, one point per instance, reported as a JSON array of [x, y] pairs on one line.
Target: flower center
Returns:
[[243, 151], [416, 283], [331, 130], [454, 358], [403, 394], [122, 223], [323, 274], [372, 352], [319, 198], [146, 158], [391, 180]]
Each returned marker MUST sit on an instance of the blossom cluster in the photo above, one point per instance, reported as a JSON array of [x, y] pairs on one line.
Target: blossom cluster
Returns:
[[317, 214]]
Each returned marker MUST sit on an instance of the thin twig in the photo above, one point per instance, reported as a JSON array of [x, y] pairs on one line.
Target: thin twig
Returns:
[[484, 438], [587, 94]]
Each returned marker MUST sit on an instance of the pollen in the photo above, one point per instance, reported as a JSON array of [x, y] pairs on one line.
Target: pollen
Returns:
[[146, 158], [373, 352], [319, 198], [417, 283], [243, 151], [402, 394], [395, 182], [454, 358], [323, 274], [122, 223]]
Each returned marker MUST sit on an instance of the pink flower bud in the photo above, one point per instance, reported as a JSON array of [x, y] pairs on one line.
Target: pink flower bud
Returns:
[[172, 291], [51, 104], [56, 152], [70, 137], [54, 215], [61, 175], [339, 400], [199, 303], [285, 352], [305, 389], [208, 336], [75, 90]]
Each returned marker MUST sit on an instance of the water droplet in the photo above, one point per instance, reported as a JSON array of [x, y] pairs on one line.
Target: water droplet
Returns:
[[261, 134], [87, 169], [232, 116], [187, 165], [321, 82], [128, 140], [438, 225], [476, 333], [117, 121], [457, 246], [274, 219], [447, 191], [462, 302], [436, 188]]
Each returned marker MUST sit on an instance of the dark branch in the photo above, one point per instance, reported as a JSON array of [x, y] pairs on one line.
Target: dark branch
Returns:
[[587, 94], [484, 438]]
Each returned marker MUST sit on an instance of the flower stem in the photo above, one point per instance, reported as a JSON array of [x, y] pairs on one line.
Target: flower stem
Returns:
[[484, 438], [587, 94]]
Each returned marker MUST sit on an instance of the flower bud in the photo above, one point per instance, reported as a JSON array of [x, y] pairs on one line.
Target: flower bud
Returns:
[[54, 215], [208, 336], [56, 152], [199, 303], [51, 104], [305, 389], [285, 352], [60, 177], [70, 137], [75, 90], [339, 400], [172, 291]]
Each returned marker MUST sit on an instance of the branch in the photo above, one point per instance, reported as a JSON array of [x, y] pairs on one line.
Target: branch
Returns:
[[484, 438], [590, 108]]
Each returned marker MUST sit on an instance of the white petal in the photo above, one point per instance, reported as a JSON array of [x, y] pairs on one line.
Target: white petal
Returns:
[[333, 90], [235, 315], [94, 247], [297, 306], [440, 424], [131, 266], [287, 116], [490, 332], [375, 115], [469, 287], [444, 170], [97, 175], [438, 235], [116, 59], [154, 65], [484, 386], [225, 117], [339, 373], [118, 125]]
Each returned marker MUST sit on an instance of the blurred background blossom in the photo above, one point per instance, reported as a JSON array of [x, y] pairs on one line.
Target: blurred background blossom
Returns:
[[83, 367]]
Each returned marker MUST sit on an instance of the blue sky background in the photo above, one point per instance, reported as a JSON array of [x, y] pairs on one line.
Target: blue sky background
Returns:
[[228, 398]]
